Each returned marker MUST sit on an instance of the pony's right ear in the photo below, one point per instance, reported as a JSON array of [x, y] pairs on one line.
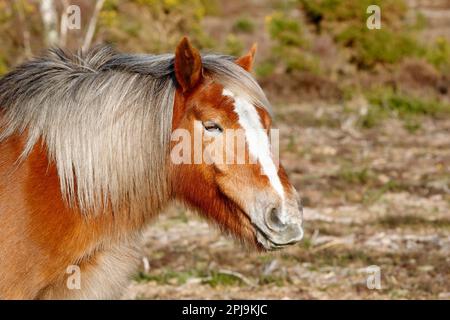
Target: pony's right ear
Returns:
[[188, 65]]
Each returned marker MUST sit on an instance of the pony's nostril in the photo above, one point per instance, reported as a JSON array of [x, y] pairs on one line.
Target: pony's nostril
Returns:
[[273, 216], [274, 219]]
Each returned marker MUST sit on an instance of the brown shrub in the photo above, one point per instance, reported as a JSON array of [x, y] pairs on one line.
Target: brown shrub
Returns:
[[416, 74], [300, 86]]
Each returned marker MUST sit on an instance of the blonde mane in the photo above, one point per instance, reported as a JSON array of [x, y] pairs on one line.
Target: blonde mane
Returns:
[[105, 119]]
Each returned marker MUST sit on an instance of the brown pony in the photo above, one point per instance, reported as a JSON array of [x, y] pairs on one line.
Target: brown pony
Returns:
[[89, 150]]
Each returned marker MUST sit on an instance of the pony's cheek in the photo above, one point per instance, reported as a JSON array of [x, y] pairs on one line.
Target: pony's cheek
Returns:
[[231, 185]]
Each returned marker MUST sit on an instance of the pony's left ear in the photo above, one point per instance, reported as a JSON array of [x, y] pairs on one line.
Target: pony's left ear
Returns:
[[246, 61], [188, 65]]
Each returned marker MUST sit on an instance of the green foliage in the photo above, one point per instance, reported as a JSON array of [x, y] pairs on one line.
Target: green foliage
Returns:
[[346, 21], [212, 278], [111, 5], [12, 45], [5, 12], [406, 104], [244, 25], [412, 125], [154, 25], [439, 54], [222, 279], [170, 276], [109, 18], [265, 69], [358, 176], [286, 31], [272, 279], [385, 103], [421, 22], [210, 7], [373, 117], [157, 25], [378, 46], [289, 46], [233, 45], [3, 66], [326, 12], [302, 62]]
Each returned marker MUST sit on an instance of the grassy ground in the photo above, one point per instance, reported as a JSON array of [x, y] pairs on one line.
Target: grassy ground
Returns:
[[373, 196]]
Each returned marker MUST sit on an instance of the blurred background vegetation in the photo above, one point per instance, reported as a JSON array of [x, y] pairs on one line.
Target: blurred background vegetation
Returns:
[[308, 49]]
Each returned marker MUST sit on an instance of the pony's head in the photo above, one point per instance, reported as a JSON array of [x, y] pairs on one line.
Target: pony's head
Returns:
[[221, 154]]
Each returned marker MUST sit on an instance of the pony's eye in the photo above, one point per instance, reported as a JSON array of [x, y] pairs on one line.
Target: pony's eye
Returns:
[[212, 127]]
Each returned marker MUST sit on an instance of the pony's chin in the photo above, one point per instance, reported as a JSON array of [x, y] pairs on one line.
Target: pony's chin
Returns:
[[267, 244]]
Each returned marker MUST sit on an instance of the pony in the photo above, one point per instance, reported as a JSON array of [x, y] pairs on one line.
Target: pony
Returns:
[[85, 164]]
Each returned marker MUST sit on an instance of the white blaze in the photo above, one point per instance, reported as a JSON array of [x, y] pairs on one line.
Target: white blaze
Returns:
[[257, 139]]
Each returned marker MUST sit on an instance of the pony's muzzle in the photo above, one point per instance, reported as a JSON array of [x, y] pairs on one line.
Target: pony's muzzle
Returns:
[[280, 227]]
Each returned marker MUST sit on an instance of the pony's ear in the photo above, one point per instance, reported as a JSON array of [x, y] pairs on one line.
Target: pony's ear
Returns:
[[246, 61], [188, 65]]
